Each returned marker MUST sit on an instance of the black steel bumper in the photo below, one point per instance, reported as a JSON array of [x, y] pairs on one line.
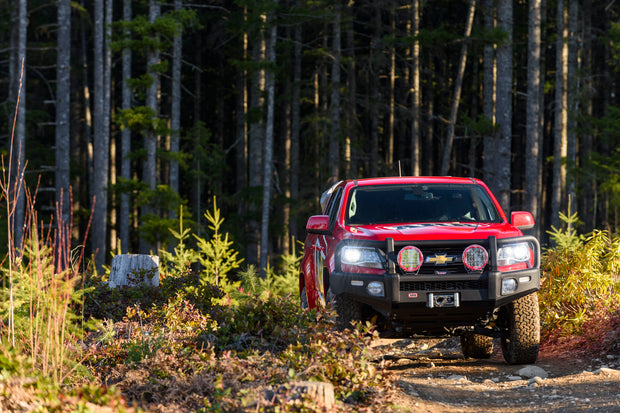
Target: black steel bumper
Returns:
[[453, 298]]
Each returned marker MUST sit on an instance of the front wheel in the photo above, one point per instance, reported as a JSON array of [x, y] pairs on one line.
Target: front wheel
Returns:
[[476, 346], [521, 336], [347, 309], [303, 299]]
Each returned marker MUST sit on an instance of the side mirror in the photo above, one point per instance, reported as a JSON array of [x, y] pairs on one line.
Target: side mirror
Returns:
[[318, 224], [522, 219]]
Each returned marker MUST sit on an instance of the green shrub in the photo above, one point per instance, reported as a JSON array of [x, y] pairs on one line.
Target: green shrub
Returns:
[[579, 286]]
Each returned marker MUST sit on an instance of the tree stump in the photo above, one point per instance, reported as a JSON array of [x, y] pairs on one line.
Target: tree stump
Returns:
[[320, 392], [134, 269]]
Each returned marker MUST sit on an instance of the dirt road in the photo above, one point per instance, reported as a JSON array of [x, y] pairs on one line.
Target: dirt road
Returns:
[[433, 376]]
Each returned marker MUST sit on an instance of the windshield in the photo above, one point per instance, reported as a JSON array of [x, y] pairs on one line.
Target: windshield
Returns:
[[388, 204]]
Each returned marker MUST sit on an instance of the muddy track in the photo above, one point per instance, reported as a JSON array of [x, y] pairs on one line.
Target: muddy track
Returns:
[[433, 376]]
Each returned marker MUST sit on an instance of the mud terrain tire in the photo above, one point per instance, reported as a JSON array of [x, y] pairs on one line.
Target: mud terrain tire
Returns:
[[476, 346], [303, 299], [521, 337], [347, 309]]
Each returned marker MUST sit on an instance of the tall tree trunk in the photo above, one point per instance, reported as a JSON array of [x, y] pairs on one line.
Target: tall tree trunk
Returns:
[[256, 150], [295, 134], [489, 83], [534, 114], [572, 98], [375, 93], [389, 155], [351, 106], [123, 220], [335, 133], [416, 92], [196, 196], [87, 162], [63, 109], [429, 165], [587, 209], [270, 85], [175, 110], [504, 104], [149, 167], [457, 90], [18, 127], [559, 141], [16, 198], [107, 104], [241, 149], [101, 143]]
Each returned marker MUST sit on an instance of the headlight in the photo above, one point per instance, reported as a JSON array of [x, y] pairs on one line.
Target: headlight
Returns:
[[512, 254], [362, 257]]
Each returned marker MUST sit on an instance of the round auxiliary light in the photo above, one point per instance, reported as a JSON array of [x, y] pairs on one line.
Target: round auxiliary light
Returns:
[[475, 257], [410, 259]]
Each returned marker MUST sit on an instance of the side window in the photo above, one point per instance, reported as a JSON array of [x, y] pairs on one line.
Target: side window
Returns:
[[332, 208]]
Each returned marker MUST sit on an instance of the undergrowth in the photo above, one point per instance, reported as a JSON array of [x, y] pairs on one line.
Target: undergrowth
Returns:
[[580, 291], [216, 337], [214, 340]]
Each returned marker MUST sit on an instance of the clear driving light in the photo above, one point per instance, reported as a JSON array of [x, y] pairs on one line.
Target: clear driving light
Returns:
[[375, 288], [509, 285], [410, 259], [513, 254], [475, 257], [361, 257]]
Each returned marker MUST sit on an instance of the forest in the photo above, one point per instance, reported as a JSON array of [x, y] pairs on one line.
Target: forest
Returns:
[[122, 116]]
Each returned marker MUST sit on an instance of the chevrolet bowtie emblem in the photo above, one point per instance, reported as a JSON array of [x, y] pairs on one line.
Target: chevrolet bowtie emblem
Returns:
[[439, 259]]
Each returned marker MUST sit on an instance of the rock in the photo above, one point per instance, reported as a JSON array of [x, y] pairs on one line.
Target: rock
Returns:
[[515, 378], [532, 371], [604, 370], [457, 377], [535, 380]]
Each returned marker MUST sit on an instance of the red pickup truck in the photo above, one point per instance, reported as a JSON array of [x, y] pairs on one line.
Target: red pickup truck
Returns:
[[430, 256]]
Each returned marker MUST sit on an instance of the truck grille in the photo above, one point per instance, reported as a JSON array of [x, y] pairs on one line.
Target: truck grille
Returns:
[[441, 261], [441, 285]]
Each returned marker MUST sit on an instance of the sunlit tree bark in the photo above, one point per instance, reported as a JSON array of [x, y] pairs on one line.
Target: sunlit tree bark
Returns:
[[489, 94], [416, 92], [561, 115], [63, 109], [123, 220], [334, 109], [101, 143], [504, 105], [270, 85], [175, 110], [573, 95], [295, 134], [149, 166], [534, 113], [445, 164]]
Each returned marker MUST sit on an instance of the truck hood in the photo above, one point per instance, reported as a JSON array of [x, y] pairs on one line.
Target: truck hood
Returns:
[[432, 231]]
